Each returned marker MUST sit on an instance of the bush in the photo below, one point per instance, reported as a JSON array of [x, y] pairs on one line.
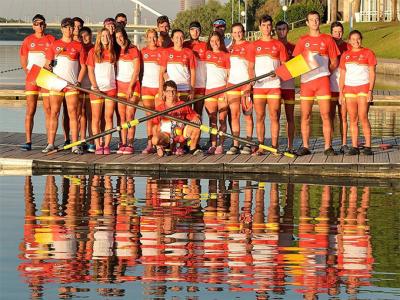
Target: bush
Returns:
[[298, 11]]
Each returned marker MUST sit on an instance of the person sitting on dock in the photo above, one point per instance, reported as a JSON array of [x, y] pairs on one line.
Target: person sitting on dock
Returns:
[[171, 134]]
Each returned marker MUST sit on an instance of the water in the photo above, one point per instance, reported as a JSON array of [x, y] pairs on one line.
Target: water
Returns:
[[99, 237]]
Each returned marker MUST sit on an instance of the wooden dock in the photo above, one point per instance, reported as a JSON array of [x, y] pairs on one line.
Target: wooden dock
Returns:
[[383, 164]]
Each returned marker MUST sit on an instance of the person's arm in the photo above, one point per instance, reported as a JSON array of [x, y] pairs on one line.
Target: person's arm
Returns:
[[161, 79], [92, 78], [342, 99], [372, 76], [192, 66], [333, 64], [82, 73], [135, 75], [24, 63], [333, 52]]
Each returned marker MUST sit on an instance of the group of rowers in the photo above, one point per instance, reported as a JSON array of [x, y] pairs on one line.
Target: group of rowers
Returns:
[[171, 70]]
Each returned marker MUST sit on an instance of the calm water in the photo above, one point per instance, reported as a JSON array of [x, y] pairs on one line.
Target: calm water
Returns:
[[99, 237]]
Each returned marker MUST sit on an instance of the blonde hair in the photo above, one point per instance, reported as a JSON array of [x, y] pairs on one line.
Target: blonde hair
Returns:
[[151, 30], [98, 47]]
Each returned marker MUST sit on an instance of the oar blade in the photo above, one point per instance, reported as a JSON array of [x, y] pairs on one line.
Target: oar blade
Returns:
[[45, 79], [299, 65]]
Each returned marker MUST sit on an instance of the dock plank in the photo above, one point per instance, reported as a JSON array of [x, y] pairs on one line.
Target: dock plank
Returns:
[[382, 157]]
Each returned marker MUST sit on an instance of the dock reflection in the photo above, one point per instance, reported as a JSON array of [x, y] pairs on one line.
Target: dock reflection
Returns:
[[188, 235]]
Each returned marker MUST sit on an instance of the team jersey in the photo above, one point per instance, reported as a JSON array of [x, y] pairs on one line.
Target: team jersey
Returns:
[[178, 65], [325, 46], [335, 75], [85, 81], [104, 71], [356, 64], [183, 113], [288, 84], [125, 64], [217, 66], [239, 61], [267, 56], [199, 50], [151, 67], [35, 48], [68, 56]]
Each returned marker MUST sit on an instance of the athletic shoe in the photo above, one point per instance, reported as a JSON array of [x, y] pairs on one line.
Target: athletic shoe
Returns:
[[344, 149], [128, 150], [77, 150], [99, 151], [211, 150], [91, 148], [106, 150], [219, 150], [66, 142], [121, 149], [246, 149], [353, 151], [49, 148], [149, 150], [303, 151], [233, 150], [367, 151], [195, 151], [329, 151], [26, 147]]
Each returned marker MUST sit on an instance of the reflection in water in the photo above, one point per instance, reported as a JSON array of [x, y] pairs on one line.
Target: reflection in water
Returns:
[[233, 237]]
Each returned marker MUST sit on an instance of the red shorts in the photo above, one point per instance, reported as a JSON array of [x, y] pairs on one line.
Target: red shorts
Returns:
[[33, 89], [239, 91], [65, 92], [356, 91], [219, 97], [199, 92], [288, 96], [266, 93], [318, 88], [149, 93], [96, 99], [122, 88]]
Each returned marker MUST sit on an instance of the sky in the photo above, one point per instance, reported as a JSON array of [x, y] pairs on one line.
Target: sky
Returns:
[[90, 10]]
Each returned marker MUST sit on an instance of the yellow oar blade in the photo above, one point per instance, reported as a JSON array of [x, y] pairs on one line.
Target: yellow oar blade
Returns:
[[299, 65], [45, 79]]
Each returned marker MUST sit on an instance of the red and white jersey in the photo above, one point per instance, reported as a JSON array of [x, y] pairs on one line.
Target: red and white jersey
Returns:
[[217, 66], [356, 64], [178, 65], [125, 64], [325, 46], [104, 71], [85, 81], [199, 50], [151, 67], [239, 60], [69, 57], [288, 84], [36, 48], [267, 56], [335, 75]]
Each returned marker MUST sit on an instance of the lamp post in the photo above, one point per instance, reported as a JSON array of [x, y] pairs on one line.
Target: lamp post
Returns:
[[243, 14], [284, 8]]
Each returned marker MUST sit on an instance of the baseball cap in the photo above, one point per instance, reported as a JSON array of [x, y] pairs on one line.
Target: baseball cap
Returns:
[[67, 22], [195, 24], [108, 21], [219, 22], [38, 17]]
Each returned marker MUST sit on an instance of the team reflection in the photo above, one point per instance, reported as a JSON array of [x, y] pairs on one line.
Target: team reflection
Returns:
[[238, 236]]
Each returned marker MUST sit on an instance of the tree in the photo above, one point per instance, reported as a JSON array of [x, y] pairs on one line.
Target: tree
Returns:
[[394, 10]]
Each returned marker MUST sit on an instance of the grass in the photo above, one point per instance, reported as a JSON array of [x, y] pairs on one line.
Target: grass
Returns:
[[383, 37]]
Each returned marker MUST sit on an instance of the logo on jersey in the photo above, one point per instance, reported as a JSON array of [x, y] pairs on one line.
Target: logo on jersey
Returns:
[[59, 49], [347, 57], [32, 45], [307, 45], [258, 49], [171, 56], [208, 55], [146, 55]]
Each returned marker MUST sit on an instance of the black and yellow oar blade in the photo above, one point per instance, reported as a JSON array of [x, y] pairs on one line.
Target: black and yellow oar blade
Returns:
[[299, 65], [45, 79]]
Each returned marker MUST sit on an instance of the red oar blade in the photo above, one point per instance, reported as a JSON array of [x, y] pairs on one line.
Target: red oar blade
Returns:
[[299, 65], [45, 79]]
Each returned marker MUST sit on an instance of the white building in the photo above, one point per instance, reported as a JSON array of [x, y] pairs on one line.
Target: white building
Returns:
[[189, 4]]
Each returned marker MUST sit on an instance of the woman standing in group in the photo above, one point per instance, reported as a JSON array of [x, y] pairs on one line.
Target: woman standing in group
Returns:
[[150, 58], [357, 80], [64, 57], [179, 65], [240, 71], [217, 68], [101, 67], [128, 86]]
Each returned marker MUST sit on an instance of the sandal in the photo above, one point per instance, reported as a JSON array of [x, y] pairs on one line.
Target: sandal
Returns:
[[160, 151]]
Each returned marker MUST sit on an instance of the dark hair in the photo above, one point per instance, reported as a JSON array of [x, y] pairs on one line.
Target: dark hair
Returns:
[[120, 15], [355, 32], [265, 19], [336, 24], [195, 24], [122, 30], [238, 25], [67, 22], [38, 17], [79, 20], [171, 84], [222, 46], [175, 31], [313, 12], [85, 29], [162, 19], [280, 23]]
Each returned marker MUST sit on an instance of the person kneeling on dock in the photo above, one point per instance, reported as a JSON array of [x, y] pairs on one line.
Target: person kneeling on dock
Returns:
[[171, 135]]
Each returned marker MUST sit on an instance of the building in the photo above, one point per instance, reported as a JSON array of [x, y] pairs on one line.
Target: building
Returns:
[[368, 10], [189, 4]]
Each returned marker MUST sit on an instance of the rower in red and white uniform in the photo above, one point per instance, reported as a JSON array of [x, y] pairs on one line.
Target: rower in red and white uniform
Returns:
[[150, 59], [267, 55], [315, 84], [128, 86], [67, 60], [33, 52], [179, 64], [199, 49], [217, 66]]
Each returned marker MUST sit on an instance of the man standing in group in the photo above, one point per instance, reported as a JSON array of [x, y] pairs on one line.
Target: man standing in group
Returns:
[[163, 27], [220, 26], [121, 19], [33, 52], [315, 84]]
